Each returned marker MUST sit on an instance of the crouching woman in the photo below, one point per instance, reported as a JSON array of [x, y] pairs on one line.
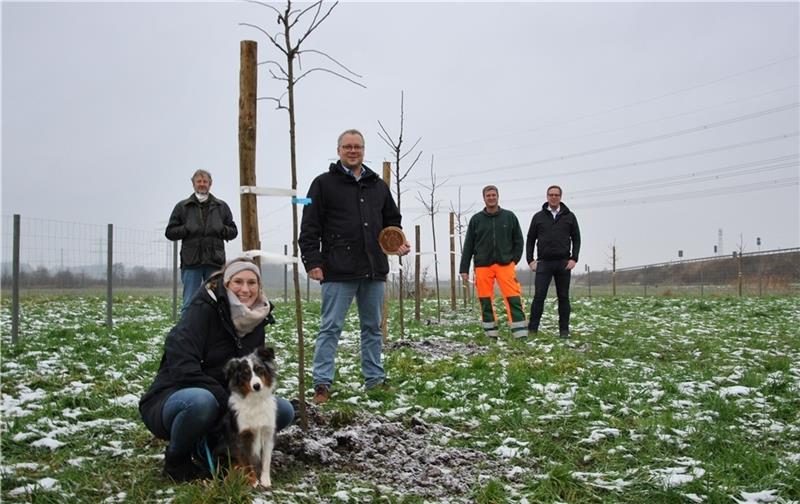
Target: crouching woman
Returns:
[[189, 395]]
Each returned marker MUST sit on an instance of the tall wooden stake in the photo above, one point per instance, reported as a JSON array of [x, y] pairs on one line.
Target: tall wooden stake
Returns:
[[417, 286], [248, 83], [452, 261], [614, 270], [387, 178]]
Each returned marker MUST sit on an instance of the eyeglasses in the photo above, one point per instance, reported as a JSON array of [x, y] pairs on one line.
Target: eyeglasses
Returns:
[[352, 147], [553, 194]]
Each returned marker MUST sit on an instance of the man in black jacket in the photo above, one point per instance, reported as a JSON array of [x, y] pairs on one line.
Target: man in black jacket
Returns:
[[555, 234], [350, 205], [201, 222]]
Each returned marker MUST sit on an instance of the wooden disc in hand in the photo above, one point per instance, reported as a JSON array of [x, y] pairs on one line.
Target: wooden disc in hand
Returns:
[[391, 239]]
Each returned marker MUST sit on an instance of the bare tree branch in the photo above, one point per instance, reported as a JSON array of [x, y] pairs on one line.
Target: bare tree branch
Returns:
[[276, 44], [263, 4], [277, 100], [330, 58], [315, 23], [412, 166], [411, 149], [319, 69], [318, 6], [280, 67], [286, 79]]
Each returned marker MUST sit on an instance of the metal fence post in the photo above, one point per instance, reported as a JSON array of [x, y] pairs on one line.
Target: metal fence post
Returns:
[[15, 283], [285, 275], [644, 277], [174, 280], [110, 273], [701, 279]]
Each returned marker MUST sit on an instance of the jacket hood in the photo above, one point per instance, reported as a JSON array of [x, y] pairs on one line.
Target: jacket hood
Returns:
[[564, 208], [337, 169]]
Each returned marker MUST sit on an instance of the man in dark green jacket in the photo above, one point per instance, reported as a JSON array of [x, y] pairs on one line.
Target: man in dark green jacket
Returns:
[[494, 240]]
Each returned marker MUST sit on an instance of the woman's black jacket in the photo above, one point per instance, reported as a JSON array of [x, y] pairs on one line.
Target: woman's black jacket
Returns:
[[195, 353]]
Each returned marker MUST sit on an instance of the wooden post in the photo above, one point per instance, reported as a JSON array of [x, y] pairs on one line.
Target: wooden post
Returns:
[[387, 179], [285, 275], [110, 274], [417, 261], [644, 276], [248, 83], [452, 261], [15, 282], [589, 279], [701, 278], [739, 266], [614, 270], [175, 281]]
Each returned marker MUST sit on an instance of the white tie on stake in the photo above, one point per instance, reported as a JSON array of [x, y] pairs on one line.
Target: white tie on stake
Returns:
[[267, 191], [271, 257]]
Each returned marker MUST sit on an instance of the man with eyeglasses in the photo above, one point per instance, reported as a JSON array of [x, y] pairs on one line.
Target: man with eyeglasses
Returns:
[[349, 207], [555, 234], [494, 242]]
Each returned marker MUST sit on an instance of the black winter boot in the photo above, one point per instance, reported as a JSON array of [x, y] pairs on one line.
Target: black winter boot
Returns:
[[182, 468]]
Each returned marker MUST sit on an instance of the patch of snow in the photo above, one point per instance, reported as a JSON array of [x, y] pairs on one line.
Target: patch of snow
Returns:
[[675, 476], [757, 497], [50, 443], [735, 391], [126, 400], [44, 484]]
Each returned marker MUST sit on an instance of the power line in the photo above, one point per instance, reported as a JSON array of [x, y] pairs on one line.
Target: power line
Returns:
[[627, 126], [760, 185], [629, 105], [637, 163], [654, 138], [727, 171]]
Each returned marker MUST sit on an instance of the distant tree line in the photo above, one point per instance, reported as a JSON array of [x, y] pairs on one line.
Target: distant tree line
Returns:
[[137, 276], [775, 269]]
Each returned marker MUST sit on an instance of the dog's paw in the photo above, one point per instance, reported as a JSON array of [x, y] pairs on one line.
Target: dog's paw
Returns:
[[265, 483]]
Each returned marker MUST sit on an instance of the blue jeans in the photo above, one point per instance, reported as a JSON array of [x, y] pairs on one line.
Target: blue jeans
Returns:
[[336, 300], [545, 272], [192, 279], [190, 413]]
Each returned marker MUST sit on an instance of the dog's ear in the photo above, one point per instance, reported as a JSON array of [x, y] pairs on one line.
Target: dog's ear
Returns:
[[266, 354], [230, 369]]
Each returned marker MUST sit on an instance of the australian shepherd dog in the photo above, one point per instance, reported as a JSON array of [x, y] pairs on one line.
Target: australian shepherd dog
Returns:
[[248, 429]]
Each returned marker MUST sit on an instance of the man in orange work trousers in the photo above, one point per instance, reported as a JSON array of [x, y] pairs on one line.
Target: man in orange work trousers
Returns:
[[494, 238]]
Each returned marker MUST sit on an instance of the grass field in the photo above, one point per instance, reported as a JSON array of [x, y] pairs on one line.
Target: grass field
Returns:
[[656, 399]]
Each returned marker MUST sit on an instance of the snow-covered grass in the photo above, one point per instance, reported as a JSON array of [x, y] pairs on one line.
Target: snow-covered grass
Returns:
[[653, 400]]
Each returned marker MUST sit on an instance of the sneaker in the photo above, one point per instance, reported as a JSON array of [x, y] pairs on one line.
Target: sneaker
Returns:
[[321, 394], [564, 334]]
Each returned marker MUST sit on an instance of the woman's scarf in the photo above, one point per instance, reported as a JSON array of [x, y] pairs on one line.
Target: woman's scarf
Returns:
[[245, 318]]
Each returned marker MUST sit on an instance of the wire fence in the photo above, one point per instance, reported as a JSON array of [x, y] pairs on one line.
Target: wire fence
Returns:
[[57, 257]]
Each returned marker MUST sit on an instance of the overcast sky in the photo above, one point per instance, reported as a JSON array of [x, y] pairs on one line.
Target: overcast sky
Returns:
[[663, 122]]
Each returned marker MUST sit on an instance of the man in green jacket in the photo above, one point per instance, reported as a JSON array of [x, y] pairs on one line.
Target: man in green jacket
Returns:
[[494, 239]]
